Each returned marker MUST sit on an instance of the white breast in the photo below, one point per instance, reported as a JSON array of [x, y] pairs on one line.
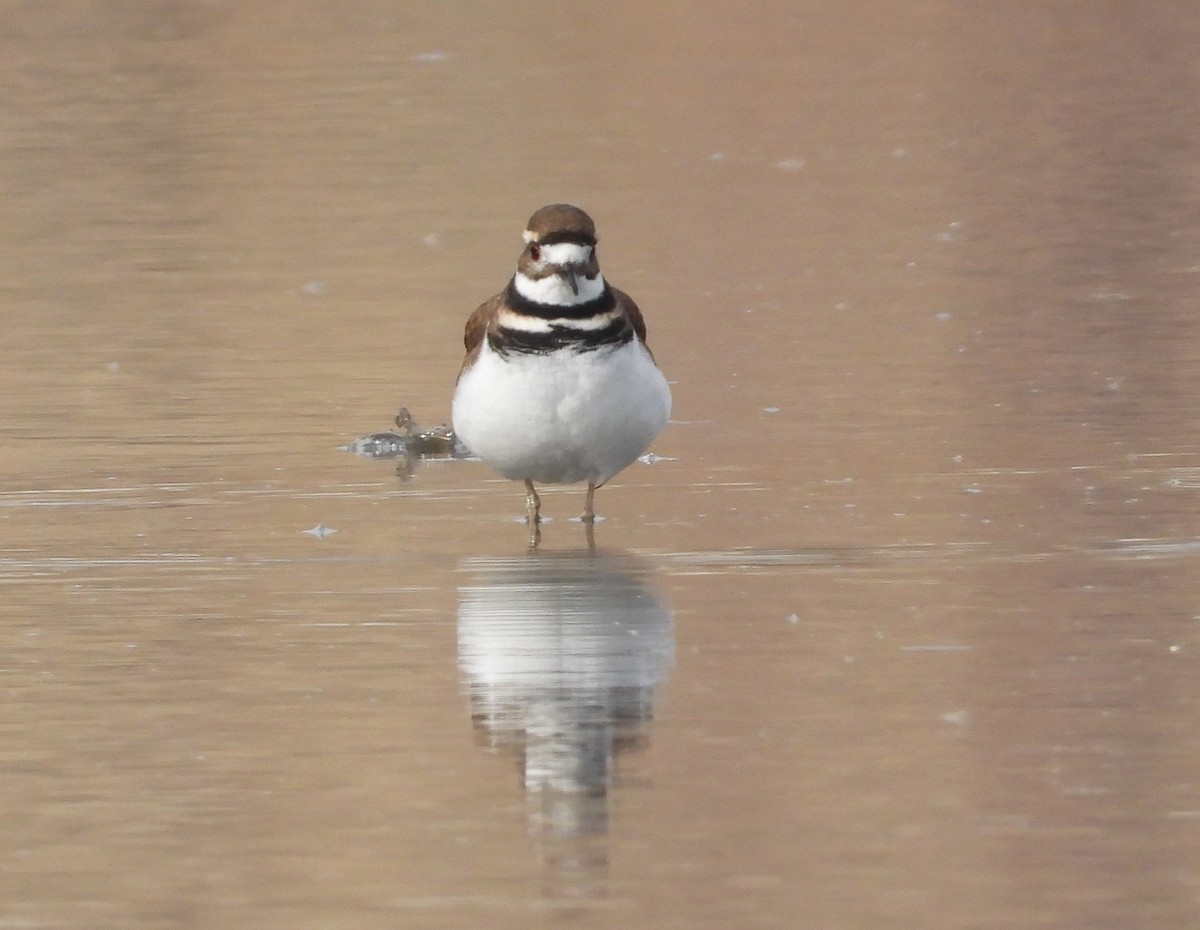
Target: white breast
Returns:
[[563, 417]]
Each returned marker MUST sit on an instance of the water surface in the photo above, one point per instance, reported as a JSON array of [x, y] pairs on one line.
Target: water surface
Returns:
[[898, 630]]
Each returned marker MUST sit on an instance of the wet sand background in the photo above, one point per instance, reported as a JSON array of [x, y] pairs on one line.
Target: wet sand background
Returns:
[[914, 583]]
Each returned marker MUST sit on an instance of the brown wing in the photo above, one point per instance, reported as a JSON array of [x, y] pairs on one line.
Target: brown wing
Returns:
[[477, 322], [476, 329], [634, 314]]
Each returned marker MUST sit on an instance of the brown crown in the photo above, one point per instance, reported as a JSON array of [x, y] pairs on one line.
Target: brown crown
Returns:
[[561, 222]]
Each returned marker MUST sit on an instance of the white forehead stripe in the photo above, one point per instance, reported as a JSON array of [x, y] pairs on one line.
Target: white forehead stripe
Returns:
[[565, 253], [554, 289], [530, 236]]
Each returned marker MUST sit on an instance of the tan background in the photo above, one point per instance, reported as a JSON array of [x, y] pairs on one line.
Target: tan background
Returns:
[[922, 546]]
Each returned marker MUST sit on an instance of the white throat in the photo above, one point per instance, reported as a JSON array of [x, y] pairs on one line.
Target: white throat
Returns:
[[554, 289]]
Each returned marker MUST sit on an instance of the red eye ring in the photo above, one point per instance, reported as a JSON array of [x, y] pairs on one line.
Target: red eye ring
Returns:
[[535, 251]]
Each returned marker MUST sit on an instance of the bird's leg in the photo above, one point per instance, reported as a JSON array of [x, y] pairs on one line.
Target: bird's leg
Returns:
[[533, 504], [589, 511]]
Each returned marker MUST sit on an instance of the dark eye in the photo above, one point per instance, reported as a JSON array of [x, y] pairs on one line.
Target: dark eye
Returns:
[[535, 251]]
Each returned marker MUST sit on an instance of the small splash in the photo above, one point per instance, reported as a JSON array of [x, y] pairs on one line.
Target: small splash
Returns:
[[410, 440], [320, 531], [650, 458], [952, 231], [378, 446]]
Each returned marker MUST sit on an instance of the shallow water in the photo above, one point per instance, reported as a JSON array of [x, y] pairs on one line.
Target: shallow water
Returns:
[[900, 628]]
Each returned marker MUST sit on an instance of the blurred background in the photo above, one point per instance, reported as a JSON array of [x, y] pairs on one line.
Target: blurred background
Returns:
[[897, 627]]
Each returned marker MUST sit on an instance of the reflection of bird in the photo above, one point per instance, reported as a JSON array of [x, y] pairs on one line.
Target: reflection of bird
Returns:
[[561, 656], [558, 385]]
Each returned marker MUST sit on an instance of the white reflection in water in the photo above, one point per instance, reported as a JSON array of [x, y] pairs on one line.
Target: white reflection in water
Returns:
[[560, 655]]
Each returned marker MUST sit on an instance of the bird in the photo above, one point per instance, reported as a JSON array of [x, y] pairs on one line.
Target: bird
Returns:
[[558, 386]]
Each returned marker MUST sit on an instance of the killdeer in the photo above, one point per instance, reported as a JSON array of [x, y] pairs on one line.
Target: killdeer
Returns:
[[558, 386]]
